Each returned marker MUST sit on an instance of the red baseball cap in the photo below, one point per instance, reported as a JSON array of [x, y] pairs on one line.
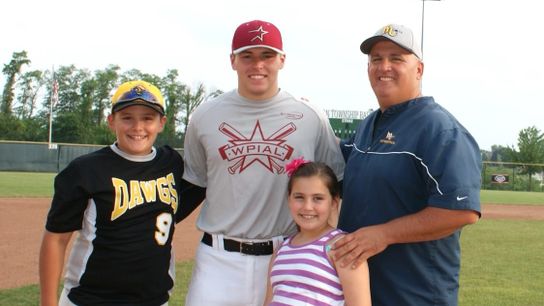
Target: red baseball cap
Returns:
[[255, 34]]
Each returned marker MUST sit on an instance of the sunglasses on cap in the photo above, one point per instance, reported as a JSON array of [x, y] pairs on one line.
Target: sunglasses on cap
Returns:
[[139, 95]]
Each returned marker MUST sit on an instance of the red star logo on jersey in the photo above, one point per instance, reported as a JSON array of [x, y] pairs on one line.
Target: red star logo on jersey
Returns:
[[260, 34], [243, 152]]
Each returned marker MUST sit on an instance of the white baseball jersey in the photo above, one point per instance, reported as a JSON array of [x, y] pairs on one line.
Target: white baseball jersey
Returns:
[[238, 148]]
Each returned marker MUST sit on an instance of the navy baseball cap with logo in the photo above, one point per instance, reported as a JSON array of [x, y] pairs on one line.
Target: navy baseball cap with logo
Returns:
[[399, 34], [257, 34]]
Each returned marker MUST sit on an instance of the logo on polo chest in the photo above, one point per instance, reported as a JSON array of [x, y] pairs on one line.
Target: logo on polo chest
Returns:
[[388, 139], [258, 149]]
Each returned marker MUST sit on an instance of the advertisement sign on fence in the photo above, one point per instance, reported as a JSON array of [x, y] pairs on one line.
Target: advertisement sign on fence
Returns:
[[499, 178]]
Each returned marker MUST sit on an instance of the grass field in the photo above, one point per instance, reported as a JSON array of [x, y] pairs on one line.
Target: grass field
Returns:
[[502, 260], [26, 184], [30, 295], [501, 266], [512, 197], [502, 263], [33, 184]]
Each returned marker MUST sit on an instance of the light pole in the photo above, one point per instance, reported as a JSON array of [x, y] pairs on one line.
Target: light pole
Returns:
[[423, 21]]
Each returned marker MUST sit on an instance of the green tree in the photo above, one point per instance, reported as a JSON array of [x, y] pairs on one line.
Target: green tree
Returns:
[[501, 153], [30, 129], [30, 84], [191, 100], [132, 74], [84, 98], [67, 127], [172, 91], [531, 150], [85, 113], [105, 83], [11, 71], [95, 92], [72, 113]]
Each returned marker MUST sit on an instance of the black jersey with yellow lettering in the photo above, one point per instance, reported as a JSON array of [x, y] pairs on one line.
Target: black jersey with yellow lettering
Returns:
[[123, 208]]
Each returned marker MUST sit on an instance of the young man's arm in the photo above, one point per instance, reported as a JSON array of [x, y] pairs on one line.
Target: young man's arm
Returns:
[[189, 199], [268, 297], [51, 265]]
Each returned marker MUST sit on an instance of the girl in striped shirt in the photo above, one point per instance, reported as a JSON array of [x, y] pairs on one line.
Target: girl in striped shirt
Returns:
[[301, 271]]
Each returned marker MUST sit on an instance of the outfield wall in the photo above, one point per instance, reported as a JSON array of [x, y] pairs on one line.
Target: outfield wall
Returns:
[[39, 157]]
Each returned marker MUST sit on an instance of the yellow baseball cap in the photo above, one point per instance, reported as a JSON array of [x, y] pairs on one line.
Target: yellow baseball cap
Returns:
[[137, 93]]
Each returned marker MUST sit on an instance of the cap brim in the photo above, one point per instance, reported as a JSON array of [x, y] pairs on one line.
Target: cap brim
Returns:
[[239, 50], [367, 45], [121, 105]]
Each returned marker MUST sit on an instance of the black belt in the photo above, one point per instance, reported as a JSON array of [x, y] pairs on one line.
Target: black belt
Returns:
[[249, 248]]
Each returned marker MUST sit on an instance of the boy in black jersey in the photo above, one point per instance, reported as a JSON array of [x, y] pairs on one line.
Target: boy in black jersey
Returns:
[[123, 201]]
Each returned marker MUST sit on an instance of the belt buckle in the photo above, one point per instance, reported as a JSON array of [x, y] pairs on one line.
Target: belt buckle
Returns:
[[249, 243]]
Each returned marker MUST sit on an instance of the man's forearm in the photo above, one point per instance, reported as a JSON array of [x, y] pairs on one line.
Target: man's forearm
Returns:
[[430, 223]]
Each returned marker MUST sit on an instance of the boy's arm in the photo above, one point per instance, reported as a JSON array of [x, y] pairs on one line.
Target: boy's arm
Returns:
[[51, 265], [190, 198]]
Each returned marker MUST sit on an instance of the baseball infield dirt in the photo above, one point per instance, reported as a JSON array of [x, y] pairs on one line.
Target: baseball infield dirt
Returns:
[[22, 223]]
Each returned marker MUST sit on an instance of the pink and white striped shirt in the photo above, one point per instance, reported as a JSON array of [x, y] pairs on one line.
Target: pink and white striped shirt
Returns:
[[304, 275]]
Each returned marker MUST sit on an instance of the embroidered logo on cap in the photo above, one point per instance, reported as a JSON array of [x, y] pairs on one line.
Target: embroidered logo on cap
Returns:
[[260, 35], [139, 90], [391, 31]]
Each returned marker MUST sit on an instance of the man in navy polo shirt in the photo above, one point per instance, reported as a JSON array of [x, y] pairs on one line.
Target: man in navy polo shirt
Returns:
[[412, 181]]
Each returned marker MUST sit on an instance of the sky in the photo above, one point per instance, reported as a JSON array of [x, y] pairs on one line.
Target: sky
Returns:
[[483, 59]]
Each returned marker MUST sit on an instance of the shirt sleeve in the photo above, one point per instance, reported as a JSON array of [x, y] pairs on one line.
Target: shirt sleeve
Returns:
[[191, 196], [328, 149], [69, 201], [455, 164], [194, 156], [346, 146]]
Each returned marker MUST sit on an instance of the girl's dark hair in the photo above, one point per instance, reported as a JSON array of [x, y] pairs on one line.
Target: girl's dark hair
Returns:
[[320, 169]]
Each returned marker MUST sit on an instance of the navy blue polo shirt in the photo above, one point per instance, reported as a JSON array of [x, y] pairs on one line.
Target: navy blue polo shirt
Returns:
[[411, 156]]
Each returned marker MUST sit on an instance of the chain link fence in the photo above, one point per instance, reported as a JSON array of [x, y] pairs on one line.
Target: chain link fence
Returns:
[[512, 176]]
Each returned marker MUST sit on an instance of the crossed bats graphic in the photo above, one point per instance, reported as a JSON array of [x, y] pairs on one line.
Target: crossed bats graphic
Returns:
[[232, 133]]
